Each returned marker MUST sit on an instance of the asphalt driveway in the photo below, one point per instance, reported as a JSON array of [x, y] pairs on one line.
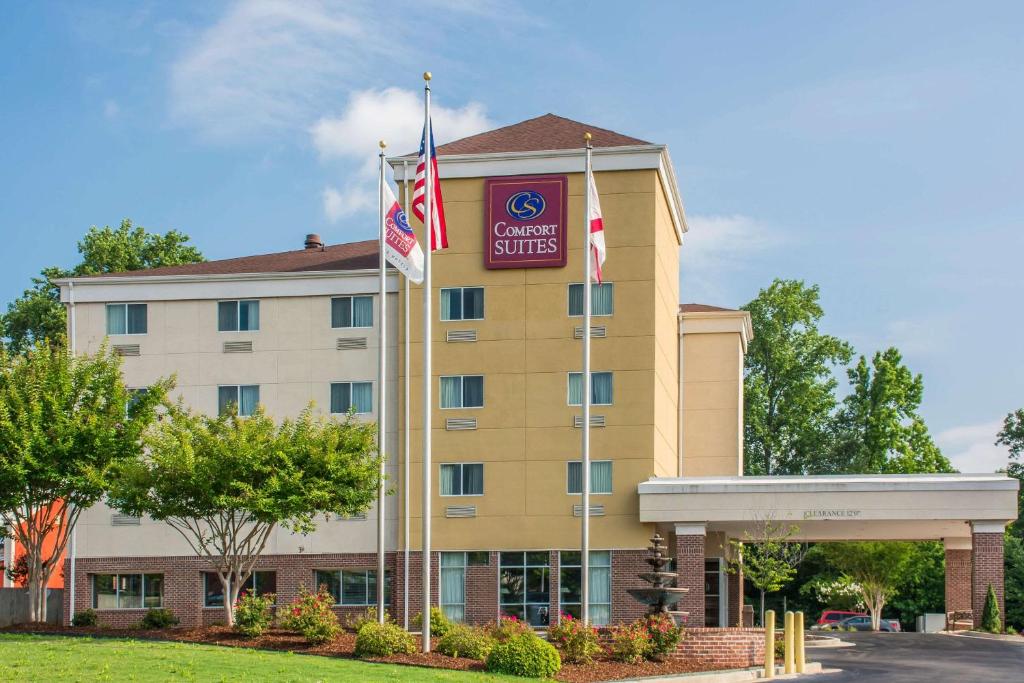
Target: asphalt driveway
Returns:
[[920, 658]]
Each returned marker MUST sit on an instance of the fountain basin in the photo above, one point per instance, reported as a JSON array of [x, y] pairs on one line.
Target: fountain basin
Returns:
[[662, 597]]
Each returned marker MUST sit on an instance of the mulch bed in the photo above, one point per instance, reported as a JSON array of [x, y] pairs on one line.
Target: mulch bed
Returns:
[[603, 668]]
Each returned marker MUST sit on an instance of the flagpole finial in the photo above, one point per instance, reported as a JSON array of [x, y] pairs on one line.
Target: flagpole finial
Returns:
[[427, 76], [587, 136], [382, 144]]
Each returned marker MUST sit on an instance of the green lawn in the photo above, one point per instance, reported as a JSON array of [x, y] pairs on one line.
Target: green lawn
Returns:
[[51, 659]]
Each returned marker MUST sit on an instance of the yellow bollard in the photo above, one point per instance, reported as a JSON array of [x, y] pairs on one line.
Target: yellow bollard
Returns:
[[769, 644], [787, 635], [800, 654]]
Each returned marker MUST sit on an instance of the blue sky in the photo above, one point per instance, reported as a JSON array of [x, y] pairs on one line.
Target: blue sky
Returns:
[[872, 148]]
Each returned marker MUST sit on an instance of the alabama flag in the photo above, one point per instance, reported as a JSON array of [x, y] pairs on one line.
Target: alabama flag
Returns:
[[597, 248], [402, 250]]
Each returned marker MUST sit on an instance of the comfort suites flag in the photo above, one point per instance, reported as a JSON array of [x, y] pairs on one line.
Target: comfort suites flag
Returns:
[[597, 247], [402, 250]]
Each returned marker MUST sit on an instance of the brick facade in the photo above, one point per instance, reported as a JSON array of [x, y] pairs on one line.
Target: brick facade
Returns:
[[690, 568], [958, 580], [626, 564], [987, 569], [723, 648], [735, 595]]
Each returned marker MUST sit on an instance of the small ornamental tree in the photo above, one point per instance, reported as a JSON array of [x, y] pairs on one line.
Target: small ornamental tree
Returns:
[[876, 566], [226, 483], [65, 422], [991, 620], [768, 557]]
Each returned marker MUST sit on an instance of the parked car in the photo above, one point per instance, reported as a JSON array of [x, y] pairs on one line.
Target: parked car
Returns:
[[863, 623], [831, 617]]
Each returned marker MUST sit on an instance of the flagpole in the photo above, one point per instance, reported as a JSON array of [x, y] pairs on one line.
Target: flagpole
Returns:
[[585, 464], [382, 429], [428, 197], [405, 439]]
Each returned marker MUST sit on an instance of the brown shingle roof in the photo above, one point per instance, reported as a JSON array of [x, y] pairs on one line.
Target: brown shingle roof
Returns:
[[703, 308], [539, 134], [349, 256]]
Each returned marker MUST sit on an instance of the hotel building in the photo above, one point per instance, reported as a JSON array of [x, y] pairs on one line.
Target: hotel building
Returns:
[[285, 329]]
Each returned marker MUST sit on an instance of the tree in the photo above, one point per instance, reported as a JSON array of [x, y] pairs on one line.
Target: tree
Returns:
[[990, 619], [38, 314], [768, 558], [878, 427], [226, 483], [789, 388], [1013, 596], [1012, 436], [875, 566], [64, 423]]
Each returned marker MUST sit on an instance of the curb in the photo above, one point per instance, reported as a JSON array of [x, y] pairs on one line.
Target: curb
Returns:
[[978, 635], [728, 676]]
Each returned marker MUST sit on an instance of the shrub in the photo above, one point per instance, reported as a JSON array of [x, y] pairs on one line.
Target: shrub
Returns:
[[665, 635], [780, 650], [577, 642], [524, 655], [466, 641], [383, 640], [158, 617], [253, 613], [990, 618], [311, 615], [507, 627], [630, 642], [86, 617], [439, 622], [354, 622]]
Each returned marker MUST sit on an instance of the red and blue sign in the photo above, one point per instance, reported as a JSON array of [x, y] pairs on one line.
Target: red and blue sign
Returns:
[[525, 222]]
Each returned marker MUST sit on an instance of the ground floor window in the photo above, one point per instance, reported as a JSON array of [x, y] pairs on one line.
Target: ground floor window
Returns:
[[127, 591], [453, 585], [713, 590], [260, 583], [570, 575], [354, 587], [525, 586]]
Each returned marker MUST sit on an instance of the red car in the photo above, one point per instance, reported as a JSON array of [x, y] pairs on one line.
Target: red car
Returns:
[[832, 617]]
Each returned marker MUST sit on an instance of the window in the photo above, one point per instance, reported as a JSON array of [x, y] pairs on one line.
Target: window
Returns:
[[462, 479], [245, 397], [126, 318], [570, 576], [348, 395], [238, 316], [602, 298], [453, 585], [600, 388], [354, 587], [600, 476], [127, 591], [462, 303], [260, 583], [713, 580], [352, 311], [462, 391], [525, 586]]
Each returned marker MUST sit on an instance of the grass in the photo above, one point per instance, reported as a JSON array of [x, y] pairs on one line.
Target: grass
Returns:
[[48, 659]]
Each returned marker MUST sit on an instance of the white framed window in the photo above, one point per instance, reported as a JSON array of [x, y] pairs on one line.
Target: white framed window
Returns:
[[462, 391], [462, 479], [602, 299], [524, 586], [351, 311], [127, 591], [462, 303], [600, 388], [453, 586], [353, 587], [245, 396], [600, 476], [600, 584], [349, 395], [258, 583], [238, 316], [127, 319]]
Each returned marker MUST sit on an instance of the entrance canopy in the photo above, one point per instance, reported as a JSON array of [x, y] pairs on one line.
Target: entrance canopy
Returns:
[[910, 507]]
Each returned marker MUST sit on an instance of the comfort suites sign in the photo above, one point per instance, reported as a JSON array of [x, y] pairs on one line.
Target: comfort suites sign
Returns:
[[524, 221]]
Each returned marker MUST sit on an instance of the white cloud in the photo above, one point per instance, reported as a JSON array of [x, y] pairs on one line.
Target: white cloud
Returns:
[[715, 248], [352, 199], [971, 448], [111, 109]]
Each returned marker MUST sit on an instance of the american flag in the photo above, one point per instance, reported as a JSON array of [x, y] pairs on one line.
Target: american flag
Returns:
[[439, 233]]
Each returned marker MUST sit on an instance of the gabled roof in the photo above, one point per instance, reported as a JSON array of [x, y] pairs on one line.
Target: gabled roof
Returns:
[[545, 132], [704, 308]]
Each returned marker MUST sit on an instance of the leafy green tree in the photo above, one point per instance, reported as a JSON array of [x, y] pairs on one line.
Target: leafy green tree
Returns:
[[990, 618], [875, 566], [879, 429], [922, 585], [38, 314], [789, 388], [65, 422], [768, 558], [226, 483], [1012, 436], [1013, 586]]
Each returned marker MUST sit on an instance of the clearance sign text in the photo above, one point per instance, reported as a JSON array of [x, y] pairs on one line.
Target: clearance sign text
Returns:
[[524, 222]]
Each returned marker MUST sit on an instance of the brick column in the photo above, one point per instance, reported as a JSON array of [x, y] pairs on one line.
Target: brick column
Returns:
[[958, 574], [735, 588], [690, 540], [987, 566]]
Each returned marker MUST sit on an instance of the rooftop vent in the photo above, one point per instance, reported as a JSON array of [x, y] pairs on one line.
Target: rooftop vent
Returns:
[[313, 241]]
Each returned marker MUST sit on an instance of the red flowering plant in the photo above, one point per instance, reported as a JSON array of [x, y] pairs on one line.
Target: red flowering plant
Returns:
[[630, 642], [311, 614], [506, 627], [665, 635], [253, 613], [577, 642]]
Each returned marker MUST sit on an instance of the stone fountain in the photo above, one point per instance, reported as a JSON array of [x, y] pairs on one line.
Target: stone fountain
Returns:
[[662, 596]]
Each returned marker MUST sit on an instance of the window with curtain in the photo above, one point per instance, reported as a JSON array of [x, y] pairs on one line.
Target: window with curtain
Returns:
[[524, 586], [238, 316], [453, 585], [600, 476], [353, 587], [126, 319], [245, 396], [600, 388], [127, 591], [259, 583], [348, 395], [602, 299], [462, 479], [462, 391], [352, 311], [462, 303], [570, 575]]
